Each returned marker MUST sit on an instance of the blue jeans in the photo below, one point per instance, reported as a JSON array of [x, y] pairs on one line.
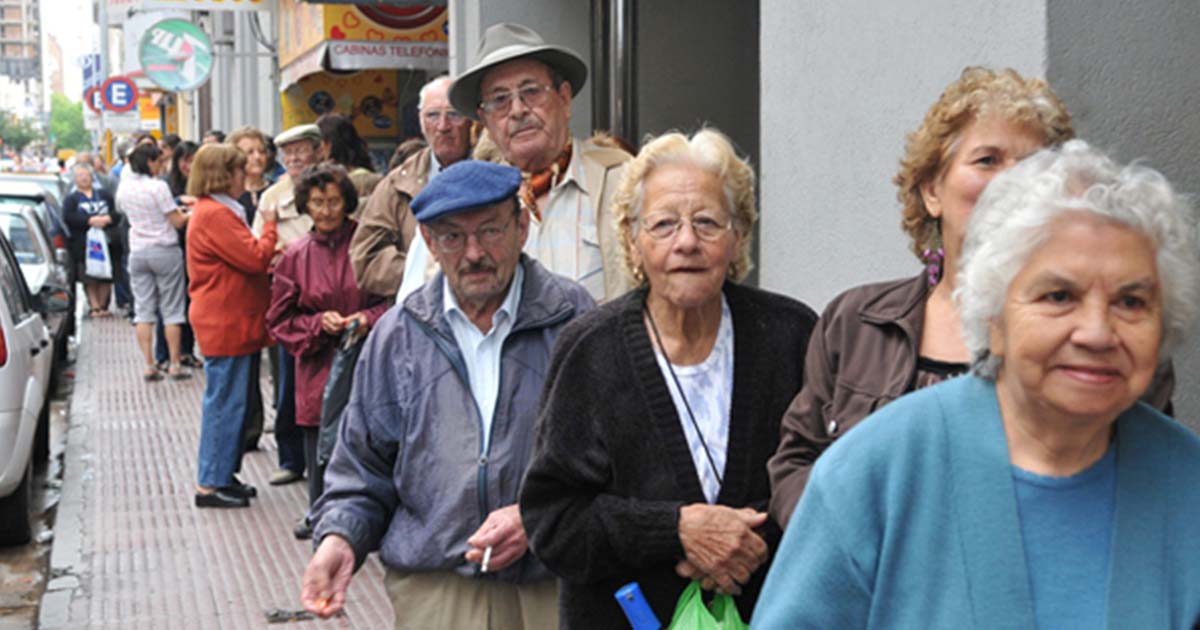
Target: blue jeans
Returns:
[[222, 415], [288, 436]]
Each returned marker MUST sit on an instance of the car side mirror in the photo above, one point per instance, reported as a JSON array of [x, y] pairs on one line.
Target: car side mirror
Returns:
[[52, 299]]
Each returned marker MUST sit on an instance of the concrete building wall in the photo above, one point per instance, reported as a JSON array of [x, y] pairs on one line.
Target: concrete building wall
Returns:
[[1127, 71], [842, 83]]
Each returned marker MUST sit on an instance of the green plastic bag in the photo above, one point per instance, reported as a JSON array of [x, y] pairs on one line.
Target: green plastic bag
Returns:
[[692, 614]]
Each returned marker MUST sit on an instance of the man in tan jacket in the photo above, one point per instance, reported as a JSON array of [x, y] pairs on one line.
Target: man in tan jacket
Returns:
[[385, 224]]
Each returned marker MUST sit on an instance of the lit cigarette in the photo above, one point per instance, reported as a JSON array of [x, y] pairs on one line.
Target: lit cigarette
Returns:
[[487, 556]]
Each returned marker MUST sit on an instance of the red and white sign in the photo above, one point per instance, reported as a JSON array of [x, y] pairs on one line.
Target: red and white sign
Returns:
[[93, 100]]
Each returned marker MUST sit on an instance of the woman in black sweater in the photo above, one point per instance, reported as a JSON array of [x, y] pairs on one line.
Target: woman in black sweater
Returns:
[[663, 406]]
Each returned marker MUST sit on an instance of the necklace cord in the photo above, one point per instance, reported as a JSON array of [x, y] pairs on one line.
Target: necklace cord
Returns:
[[696, 425]]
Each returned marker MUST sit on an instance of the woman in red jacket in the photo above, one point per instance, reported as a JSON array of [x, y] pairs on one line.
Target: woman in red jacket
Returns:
[[314, 298], [227, 267]]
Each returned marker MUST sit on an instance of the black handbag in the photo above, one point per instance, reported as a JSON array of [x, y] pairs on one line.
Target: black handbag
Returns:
[[337, 390]]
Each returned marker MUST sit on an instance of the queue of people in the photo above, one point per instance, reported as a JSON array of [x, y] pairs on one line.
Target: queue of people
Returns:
[[564, 387]]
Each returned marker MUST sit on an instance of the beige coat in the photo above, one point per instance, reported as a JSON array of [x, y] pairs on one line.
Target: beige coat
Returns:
[[386, 226], [291, 225]]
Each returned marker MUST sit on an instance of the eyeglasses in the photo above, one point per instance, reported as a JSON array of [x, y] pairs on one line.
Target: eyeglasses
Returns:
[[296, 150], [434, 116], [486, 236], [665, 226], [331, 203], [532, 95]]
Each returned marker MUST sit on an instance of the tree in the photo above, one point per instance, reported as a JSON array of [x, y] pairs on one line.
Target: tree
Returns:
[[66, 124], [17, 132]]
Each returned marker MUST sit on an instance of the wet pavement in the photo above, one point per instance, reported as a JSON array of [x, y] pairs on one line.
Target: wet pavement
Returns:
[[131, 551], [24, 569]]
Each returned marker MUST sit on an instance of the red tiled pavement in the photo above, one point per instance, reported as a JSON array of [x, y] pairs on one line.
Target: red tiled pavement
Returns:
[[143, 555]]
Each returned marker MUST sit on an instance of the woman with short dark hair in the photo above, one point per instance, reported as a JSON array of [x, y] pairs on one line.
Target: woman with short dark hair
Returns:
[[155, 257], [314, 298], [343, 146]]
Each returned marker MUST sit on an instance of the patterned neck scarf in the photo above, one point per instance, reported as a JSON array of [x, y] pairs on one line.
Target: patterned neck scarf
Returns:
[[534, 185]]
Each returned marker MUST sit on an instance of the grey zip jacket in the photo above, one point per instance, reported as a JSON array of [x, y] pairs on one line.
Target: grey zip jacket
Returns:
[[408, 475]]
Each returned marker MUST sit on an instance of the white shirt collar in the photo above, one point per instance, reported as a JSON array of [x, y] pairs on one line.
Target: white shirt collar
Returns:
[[512, 300]]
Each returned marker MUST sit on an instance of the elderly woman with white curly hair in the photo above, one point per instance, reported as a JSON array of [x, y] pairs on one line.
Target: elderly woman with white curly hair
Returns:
[[662, 406], [1036, 492]]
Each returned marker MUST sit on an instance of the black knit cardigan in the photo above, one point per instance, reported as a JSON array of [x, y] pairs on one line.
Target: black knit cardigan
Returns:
[[612, 468]]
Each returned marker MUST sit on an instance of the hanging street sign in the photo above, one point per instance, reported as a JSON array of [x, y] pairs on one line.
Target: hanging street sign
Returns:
[[91, 98], [176, 55], [119, 94]]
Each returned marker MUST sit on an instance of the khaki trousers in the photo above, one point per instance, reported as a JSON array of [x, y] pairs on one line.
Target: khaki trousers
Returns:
[[445, 600]]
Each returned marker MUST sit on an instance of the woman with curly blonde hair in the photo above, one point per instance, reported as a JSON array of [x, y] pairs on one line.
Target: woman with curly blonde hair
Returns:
[[667, 481], [877, 342]]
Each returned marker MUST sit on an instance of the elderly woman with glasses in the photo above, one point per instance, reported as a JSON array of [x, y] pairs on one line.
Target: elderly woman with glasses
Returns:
[[1037, 492], [314, 299], [662, 406]]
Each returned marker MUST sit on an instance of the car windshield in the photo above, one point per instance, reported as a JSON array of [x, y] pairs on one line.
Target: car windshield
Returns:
[[20, 234]]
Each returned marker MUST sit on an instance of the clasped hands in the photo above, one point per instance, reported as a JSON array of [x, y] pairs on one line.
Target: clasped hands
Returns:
[[333, 322], [720, 546]]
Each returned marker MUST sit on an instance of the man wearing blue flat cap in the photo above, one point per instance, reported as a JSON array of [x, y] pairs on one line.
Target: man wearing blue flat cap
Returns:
[[439, 428]]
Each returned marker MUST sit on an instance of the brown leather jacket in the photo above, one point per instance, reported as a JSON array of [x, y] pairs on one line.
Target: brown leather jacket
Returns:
[[863, 355], [386, 226]]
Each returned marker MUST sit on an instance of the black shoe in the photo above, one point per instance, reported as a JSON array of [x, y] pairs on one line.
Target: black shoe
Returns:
[[239, 489], [219, 498], [303, 530]]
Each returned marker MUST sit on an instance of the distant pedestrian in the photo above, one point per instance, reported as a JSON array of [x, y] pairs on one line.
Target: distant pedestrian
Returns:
[[313, 300], [257, 147], [341, 144], [439, 427], [300, 146], [85, 208], [230, 296], [155, 257], [213, 136], [176, 177]]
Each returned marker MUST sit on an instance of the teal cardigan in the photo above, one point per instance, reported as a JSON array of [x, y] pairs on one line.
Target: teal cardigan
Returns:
[[910, 521]]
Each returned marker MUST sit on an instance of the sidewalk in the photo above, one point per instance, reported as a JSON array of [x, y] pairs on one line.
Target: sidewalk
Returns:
[[131, 550]]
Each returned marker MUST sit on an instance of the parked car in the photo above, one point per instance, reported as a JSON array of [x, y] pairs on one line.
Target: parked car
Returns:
[[25, 368], [48, 182], [41, 264], [27, 189]]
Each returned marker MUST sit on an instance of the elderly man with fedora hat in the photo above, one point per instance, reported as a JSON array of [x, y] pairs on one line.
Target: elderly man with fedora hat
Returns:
[[299, 148], [439, 428], [521, 88]]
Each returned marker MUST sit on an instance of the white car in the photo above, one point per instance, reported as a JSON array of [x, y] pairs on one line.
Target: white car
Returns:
[[25, 364]]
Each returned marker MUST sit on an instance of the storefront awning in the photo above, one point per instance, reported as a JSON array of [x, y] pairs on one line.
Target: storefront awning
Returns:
[[347, 55]]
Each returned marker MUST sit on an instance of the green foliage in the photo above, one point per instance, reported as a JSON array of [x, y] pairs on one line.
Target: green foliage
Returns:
[[66, 124], [17, 132]]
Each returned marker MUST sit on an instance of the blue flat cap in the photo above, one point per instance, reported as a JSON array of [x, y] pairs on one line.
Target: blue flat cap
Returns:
[[465, 185]]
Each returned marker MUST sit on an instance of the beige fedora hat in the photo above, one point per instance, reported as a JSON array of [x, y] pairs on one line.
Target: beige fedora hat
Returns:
[[505, 42]]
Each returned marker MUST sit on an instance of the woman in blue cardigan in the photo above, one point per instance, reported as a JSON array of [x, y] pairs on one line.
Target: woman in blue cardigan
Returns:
[[1035, 492]]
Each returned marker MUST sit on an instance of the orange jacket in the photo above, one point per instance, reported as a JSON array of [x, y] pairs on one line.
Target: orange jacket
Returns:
[[228, 285]]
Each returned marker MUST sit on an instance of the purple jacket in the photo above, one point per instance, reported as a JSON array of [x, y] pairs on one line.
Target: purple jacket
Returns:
[[314, 276]]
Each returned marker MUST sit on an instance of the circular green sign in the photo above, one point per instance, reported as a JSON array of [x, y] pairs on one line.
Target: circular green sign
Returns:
[[176, 55]]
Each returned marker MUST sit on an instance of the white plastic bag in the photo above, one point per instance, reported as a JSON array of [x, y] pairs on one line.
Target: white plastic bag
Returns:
[[99, 262]]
